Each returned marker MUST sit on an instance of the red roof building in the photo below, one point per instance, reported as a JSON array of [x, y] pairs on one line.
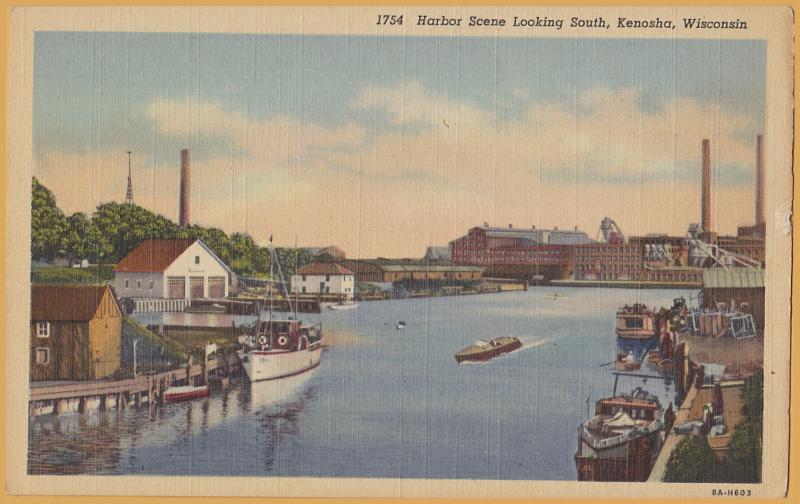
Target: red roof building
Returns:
[[324, 278], [172, 269]]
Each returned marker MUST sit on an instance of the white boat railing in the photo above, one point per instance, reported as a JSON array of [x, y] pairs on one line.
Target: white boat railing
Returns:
[[599, 444]]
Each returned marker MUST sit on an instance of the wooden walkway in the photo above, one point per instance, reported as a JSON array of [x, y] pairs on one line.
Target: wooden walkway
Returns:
[[73, 395]]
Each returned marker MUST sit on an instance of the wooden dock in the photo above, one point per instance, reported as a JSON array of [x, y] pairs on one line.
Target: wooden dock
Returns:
[[80, 396]]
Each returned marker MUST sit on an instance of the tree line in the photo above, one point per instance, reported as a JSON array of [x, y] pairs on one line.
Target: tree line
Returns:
[[694, 461], [115, 229]]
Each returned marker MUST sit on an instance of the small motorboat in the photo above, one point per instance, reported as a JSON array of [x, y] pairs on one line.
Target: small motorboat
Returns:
[[555, 297], [401, 325], [343, 305], [185, 393], [483, 350]]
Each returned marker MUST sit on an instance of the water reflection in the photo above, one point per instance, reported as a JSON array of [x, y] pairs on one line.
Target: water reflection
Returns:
[[385, 403], [273, 396]]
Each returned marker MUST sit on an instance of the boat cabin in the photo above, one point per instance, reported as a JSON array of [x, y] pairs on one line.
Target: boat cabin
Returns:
[[286, 335], [636, 321]]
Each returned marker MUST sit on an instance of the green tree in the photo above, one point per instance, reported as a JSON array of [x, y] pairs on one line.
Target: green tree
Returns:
[[126, 226], [82, 239], [292, 259], [693, 461], [743, 463], [241, 249], [261, 259], [48, 223]]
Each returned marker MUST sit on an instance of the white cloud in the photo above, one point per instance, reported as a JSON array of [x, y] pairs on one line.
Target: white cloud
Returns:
[[557, 164]]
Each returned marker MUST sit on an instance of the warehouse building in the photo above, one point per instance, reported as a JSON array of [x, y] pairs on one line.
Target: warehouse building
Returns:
[[172, 269]]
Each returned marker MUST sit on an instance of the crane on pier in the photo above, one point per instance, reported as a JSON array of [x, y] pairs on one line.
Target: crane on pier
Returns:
[[611, 231]]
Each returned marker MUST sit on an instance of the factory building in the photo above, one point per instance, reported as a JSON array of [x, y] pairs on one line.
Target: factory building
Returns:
[[517, 253], [607, 261]]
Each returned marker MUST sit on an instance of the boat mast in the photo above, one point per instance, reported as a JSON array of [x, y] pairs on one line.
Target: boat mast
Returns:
[[271, 276]]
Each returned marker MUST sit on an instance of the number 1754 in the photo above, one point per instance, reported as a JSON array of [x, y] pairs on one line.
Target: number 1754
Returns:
[[386, 19]]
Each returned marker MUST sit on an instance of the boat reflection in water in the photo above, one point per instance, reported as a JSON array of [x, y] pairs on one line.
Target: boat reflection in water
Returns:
[[280, 395]]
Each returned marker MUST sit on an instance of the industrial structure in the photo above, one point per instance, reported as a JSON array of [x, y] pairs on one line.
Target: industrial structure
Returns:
[[387, 271], [129, 192], [517, 252], [545, 255], [185, 194]]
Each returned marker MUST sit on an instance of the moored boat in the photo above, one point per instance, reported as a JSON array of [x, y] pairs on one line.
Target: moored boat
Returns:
[[281, 348], [483, 350], [620, 442], [185, 393], [635, 322], [343, 305]]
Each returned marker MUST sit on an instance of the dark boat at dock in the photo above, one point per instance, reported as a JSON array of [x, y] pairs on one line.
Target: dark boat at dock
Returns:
[[483, 350], [622, 440]]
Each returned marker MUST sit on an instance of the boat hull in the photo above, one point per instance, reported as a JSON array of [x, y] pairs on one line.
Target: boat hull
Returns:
[[348, 306], [634, 334], [489, 353], [178, 394], [273, 365]]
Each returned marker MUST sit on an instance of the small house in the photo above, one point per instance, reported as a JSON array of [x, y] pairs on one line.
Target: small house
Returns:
[[324, 278], [172, 269], [76, 332]]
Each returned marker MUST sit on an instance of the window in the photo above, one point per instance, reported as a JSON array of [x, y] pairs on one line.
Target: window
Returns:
[[197, 259], [327, 278], [42, 356], [138, 284], [304, 290], [304, 279], [151, 285], [43, 329], [127, 283]]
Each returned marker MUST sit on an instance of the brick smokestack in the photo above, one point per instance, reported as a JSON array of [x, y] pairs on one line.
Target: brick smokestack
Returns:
[[185, 188], [705, 199], [760, 180]]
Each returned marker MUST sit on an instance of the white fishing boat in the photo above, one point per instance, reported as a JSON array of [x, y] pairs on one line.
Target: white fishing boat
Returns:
[[280, 348]]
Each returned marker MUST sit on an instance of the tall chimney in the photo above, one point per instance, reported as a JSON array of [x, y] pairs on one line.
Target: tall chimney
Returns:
[[185, 188], [760, 180], [705, 199]]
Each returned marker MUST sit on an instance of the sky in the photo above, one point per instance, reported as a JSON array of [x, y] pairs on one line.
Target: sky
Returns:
[[386, 145]]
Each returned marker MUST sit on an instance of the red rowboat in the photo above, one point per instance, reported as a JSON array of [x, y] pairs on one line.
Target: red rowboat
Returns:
[[185, 393]]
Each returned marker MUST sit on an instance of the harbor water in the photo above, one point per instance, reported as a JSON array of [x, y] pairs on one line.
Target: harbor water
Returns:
[[386, 402]]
